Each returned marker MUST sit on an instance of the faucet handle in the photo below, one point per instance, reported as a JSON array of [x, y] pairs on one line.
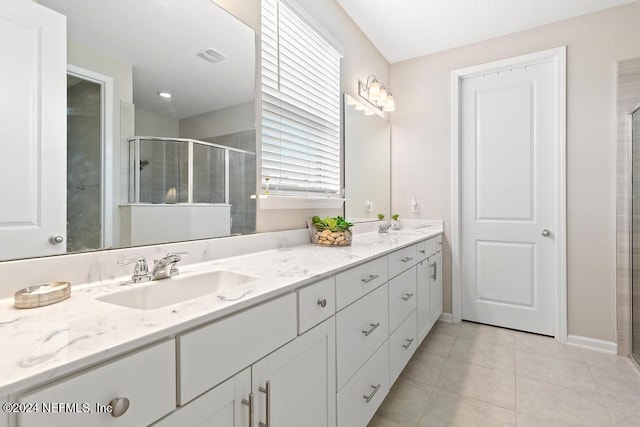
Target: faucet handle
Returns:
[[141, 269]]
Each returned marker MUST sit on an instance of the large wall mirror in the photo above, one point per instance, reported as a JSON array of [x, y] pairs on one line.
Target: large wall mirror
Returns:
[[160, 124], [367, 151]]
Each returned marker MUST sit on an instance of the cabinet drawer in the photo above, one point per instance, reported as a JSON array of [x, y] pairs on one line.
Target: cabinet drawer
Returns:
[[147, 378], [213, 353], [402, 297], [430, 247], [402, 259], [316, 303], [372, 382], [402, 344], [360, 280], [360, 329]]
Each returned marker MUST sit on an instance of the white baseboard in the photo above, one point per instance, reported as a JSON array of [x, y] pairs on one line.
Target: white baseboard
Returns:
[[593, 344], [446, 317]]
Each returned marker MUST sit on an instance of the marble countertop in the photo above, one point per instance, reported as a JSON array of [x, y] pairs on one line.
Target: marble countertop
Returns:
[[39, 345]]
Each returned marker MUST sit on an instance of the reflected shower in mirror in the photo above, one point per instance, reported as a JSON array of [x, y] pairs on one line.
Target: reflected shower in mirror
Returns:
[[367, 151], [168, 71]]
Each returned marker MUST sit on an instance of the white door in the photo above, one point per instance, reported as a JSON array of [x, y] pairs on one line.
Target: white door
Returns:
[[508, 140], [32, 130]]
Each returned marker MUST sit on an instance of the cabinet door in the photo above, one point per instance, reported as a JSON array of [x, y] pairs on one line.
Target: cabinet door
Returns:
[[424, 303], [33, 131], [296, 385], [227, 405], [435, 286]]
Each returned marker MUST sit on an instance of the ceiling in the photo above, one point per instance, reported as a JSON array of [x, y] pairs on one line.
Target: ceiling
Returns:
[[159, 39], [405, 29]]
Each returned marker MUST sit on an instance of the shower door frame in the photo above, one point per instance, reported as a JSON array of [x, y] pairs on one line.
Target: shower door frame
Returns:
[[106, 148]]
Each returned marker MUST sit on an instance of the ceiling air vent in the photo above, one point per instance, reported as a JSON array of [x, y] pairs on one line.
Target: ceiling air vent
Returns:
[[211, 55]]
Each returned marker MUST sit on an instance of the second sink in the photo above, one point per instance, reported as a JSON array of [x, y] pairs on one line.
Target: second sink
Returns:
[[166, 292]]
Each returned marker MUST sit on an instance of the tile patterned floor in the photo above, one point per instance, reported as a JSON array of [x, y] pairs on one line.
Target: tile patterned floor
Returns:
[[473, 375]]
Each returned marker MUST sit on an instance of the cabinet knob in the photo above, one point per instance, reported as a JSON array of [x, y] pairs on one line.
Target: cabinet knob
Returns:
[[322, 302], [119, 406]]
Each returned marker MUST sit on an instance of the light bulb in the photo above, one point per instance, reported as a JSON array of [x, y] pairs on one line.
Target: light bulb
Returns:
[[382, 98], [374, 90], [390, 105]]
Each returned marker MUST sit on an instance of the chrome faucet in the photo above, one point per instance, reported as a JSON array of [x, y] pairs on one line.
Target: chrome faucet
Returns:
[[384, 228], [140, 271], [162, 268], [165, 267]]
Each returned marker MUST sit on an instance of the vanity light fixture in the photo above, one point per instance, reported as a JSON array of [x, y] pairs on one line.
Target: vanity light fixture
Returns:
[[376, 94], [165, 95]]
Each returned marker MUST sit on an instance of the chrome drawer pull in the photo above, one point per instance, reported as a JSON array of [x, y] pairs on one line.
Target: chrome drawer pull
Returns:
[[266, 390], [406, 259], [249, 403], [407, 297], [434, 271], [370, 278], [371, 329], [373, 393], [408, 344], [322, 302], [119, 406]]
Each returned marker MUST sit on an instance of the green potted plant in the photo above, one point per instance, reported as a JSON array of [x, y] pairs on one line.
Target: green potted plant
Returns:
[[331, 231], [395, 222], [380, 216]]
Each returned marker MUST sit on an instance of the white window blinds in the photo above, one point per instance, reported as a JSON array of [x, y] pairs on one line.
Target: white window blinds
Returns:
[[300, 106]]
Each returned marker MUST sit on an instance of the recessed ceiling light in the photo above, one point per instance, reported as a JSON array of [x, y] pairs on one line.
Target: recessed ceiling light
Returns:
[[211, 55], [166, 95]]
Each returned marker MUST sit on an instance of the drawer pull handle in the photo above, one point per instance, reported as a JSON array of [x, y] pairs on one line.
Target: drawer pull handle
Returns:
[[407, 344], [373, 393], [406, 259], [371, 329], [407, 297], [267, 391], [370, 278], [434, 271], [119, 406], [249, 403], [422, 251], [322, 302]]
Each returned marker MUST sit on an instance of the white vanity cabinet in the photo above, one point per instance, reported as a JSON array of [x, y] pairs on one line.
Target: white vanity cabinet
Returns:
[[435, 286], [141, 387], [295, 382], [429, 285]]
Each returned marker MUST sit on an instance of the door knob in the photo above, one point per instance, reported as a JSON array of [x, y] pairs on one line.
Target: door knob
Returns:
[[56, 239], [546, 233]]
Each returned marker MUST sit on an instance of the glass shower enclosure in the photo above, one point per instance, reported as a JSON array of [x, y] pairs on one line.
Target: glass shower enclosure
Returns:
[[635, 232], [193, 172]]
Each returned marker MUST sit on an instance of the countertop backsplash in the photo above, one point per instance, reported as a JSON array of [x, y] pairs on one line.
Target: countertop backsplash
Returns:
[[98, 266]]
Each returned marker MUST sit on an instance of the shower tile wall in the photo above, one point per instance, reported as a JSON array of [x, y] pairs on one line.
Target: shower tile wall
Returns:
[[627, 98], [84, 174]]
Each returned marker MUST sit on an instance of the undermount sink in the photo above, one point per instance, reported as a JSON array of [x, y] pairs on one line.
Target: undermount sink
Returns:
[[177, 289]]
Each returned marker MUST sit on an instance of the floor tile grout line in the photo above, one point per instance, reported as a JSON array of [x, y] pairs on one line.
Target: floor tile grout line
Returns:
[[604, 401]]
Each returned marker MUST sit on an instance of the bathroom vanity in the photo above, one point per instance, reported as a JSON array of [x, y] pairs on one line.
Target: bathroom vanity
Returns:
[[315, 336]]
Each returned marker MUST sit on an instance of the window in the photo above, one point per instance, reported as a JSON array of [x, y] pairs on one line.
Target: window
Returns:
[[300, 105]]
